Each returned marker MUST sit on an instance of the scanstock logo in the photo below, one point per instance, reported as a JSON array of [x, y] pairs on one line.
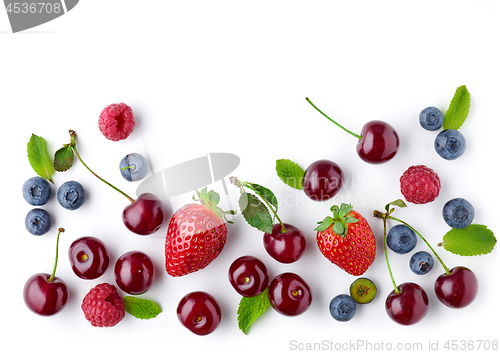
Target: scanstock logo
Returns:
[[28, 14]]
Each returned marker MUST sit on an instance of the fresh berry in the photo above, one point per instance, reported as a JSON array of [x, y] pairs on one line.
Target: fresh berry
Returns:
[[363, 290], [408, 305], [347, 240], [37, 222], [199, 312], [343, 308], [401, 239], [289, 294], [71, 195], [134, 167], [420, 184], [145, 215], [322, 180], [285, 247], [431, 118], [248, 276], [88, 257], [421, 262], [103, 306], [458, 213], [37, 191], [458, 288], [134, 272], [116, 121], [196, 235], [450, 144]]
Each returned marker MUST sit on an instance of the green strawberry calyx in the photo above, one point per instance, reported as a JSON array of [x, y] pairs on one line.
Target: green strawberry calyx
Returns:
[[211, 199], [339, 220]]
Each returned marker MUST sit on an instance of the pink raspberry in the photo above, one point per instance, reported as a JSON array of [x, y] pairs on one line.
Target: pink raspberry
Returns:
[[103, 307], [420, 184], [116, 121]]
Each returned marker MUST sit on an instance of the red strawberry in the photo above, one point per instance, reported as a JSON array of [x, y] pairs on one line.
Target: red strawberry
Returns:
[[347, 240], [196, 235]]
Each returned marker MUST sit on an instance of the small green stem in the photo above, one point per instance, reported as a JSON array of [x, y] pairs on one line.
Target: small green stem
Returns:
[[51, 278], [396, 290], [249, 186], [331, 120]]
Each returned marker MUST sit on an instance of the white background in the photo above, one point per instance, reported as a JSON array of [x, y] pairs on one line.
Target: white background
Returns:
[[231, 76]]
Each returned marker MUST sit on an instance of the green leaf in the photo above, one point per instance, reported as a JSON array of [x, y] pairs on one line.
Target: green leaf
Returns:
[[458, 110], [290, 173], [255, 212], [325, 224], [351, 220], [344, 209], [474, 240], [251, 308], [267, 194], [39, 158], [63, 159], [141, 308], [339, 228], [213, 198], [398, 202]]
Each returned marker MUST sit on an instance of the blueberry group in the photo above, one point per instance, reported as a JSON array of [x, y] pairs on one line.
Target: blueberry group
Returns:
[[458, 213], [133, 167], [421, 263], [450, 144], [431, 118], [343, 307], [401, 239], [36, 191], [71, 195], [37, 222]]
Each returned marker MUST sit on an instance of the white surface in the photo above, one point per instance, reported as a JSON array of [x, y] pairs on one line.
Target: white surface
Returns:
[[232, 77]]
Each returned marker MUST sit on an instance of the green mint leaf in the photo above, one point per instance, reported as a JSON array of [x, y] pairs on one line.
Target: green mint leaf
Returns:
[[325, 224], [458, 110], [251, 308], [290, 173], [141, 308], [474, 240], [255, 212], [266, 194], [39, 158], [63, 159]]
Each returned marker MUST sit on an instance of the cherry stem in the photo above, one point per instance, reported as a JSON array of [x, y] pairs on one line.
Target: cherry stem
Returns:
[[73, 146], [51, 278], [396, 290], [331, 120]]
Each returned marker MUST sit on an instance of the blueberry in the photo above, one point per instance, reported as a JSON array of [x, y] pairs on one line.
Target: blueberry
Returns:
[[431, 118], [134, 167], [342, 307], [401, 239], [421, 263], [71, 195], [458, 213], [36, 191], [37, 222], [450, 144]]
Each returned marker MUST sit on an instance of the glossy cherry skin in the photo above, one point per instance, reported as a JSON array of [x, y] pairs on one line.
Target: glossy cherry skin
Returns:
[[134, 272], [379, 142], [88, 257], [248, 276], [43, 297], [285, 247], [409, 306], [457, 289], [199, 312], [322, 180], [289, 294], [145, 215]]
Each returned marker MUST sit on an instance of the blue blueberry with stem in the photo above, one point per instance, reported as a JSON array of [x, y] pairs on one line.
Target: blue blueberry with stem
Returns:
[[134, 167], [71, 195], [450, 144], [458, 213], [343, 307], [38, 222], [36, 191], [421, 262], [401, 239], [431, 118]]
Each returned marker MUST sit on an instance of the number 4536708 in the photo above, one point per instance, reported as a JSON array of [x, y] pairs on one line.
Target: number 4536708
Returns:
[[471, 345], [33, 7]]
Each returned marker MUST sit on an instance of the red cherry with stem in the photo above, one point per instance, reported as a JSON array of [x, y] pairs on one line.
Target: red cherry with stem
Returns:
[[46, 294], [134, 272], [88, 257], [289, 294], [199, 312], [285, 246], [407, 304], [458, 288], [322, 180], [248, 275], [378, 142]]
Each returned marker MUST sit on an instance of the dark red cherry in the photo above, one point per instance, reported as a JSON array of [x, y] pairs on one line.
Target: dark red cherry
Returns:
[[199, 312], [379, 142], [145, 215], [88, 257], [248, 276], [134, 272], [285, 247], [408, 306], [458, 288], [322, 180], [289, 294]]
